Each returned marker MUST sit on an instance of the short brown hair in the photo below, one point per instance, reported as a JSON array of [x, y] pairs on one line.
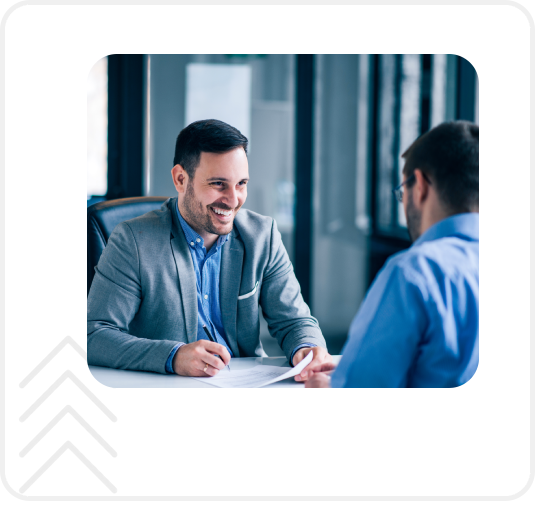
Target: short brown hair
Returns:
[[210, 136]]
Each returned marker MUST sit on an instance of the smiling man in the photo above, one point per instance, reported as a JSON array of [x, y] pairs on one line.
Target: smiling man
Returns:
[[200, 263]]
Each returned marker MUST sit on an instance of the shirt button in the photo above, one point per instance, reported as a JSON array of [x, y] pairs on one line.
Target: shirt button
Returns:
[[197, 240], [205, 297], [192, 244]]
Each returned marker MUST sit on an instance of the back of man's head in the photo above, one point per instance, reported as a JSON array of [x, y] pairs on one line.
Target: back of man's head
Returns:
[[449, 155], [209, 136]]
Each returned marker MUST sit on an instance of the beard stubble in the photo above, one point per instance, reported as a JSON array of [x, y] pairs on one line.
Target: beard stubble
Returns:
[[413, 218], [196, 215]]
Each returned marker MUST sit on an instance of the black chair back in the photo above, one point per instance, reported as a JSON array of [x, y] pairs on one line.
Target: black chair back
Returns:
[[103, 217]]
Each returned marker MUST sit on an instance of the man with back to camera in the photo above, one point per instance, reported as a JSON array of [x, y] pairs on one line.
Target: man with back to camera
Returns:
[[419, 324], [199, 260]]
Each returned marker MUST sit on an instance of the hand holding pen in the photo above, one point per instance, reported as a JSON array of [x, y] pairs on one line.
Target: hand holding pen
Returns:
[[212, 338]]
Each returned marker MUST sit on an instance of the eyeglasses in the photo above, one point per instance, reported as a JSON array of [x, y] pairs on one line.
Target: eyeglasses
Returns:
[[399, 190]]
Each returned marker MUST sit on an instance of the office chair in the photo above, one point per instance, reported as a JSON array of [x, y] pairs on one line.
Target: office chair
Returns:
[[103, 217]]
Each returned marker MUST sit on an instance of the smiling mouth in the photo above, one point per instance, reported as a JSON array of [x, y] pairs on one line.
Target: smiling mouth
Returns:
[[221, 213]]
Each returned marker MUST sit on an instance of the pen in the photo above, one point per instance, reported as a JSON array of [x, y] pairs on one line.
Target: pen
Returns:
[[211, 338]]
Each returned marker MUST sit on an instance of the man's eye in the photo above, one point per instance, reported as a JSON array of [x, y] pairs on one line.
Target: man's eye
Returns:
[[217, 183], [242, 183]]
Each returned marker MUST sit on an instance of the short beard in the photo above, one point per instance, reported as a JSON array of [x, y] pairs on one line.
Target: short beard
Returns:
[[196, 216], [412, 217]]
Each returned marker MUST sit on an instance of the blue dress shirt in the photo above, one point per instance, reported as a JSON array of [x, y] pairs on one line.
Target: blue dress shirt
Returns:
[[207, 267], [419, 324]]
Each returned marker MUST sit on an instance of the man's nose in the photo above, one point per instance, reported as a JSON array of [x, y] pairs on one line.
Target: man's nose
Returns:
[[230, 197]]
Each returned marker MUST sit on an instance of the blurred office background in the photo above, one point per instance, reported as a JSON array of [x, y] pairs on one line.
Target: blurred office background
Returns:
[[326, 134]]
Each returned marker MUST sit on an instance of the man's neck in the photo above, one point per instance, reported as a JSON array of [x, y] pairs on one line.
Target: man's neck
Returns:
[[209, 239], [432, 214]]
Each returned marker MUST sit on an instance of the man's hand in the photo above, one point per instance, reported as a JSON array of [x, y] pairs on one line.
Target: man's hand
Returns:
[[192, 359], [318, 380], [320, 357]]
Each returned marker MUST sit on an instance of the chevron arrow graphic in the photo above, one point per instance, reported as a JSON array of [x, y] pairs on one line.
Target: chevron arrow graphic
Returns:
[[54, 352], [65, 447], [67, 375], [68, 410]]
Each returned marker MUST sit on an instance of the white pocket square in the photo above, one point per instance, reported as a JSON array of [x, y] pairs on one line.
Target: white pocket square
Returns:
[[247, 295]]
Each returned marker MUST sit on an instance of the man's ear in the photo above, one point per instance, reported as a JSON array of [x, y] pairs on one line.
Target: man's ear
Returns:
[[180, 178], [420, 188]]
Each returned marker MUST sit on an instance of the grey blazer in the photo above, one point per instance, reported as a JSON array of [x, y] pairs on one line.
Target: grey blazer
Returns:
[[143, 299]]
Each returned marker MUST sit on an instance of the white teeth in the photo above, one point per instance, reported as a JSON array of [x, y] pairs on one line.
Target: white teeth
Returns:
[[224, 213]]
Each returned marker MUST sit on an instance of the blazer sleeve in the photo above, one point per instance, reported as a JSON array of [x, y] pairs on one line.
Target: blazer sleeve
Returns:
[[113, 301], [283, 307]]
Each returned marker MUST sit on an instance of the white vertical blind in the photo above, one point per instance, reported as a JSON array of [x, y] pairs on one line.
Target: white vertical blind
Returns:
[[410, 117], [97, 129], [217, 91], [438, 102]]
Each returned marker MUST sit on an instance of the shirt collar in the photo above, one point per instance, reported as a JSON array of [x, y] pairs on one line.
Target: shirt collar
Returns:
[[465, 225], [192, 237]]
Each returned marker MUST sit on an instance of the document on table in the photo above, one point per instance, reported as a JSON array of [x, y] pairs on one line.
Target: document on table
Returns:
[[256, 377]]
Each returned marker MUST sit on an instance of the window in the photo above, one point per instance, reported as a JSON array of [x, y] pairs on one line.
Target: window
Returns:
[[97, 122]]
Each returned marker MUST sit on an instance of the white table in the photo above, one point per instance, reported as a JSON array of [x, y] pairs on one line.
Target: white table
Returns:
[[119, 378]]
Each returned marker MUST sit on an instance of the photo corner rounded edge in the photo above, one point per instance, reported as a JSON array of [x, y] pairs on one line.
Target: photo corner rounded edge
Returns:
[[525, 11], [9, 488], [8, 13], [98, 381]]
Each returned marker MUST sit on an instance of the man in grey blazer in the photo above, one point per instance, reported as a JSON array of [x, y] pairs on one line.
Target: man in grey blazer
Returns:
[[198, 261]]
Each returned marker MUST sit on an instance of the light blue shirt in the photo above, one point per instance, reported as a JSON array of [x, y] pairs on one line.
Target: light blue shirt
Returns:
[[207, 268], [419, 324]]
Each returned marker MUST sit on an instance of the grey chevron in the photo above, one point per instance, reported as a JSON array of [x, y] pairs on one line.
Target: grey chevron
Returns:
[[56, 350], [68, 446], [68, 410], [68, 375]]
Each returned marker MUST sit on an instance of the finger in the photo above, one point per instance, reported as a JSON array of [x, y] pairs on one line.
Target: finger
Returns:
[[312, 373], [314, 365], [321, 355], [299, 356], [304, 372], [213, 361], [210, 370], [312, 369], [217, 349], [327, 367], [319, 380]]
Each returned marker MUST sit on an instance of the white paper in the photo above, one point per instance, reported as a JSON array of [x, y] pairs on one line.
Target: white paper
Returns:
[[258, 376]]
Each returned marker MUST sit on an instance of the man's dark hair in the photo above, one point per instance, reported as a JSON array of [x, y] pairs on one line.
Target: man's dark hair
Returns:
[[449, 155], [210, 136]]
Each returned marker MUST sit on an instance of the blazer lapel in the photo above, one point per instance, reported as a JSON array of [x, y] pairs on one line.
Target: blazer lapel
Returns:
[[230, 280], [185, 272]]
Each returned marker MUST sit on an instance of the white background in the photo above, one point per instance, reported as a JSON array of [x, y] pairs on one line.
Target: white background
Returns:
[[469, 441]]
